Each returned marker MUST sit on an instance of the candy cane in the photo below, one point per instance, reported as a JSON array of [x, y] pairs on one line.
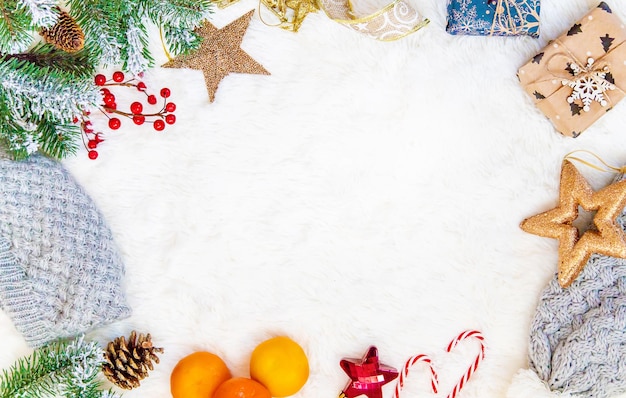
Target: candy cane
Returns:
[[434, 382], [470, 371]]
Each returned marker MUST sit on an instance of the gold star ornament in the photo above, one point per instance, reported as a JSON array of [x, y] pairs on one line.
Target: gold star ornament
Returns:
[[220, 54], [574, 252]]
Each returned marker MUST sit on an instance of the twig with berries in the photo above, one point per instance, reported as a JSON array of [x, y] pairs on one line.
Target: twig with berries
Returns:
[[136, 113]]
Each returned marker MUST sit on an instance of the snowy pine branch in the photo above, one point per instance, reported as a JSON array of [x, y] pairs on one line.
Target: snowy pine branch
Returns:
[[19, 18], [180, 41], [76, 65], [181, 13], [43, 13], [29, 93], [40, 92], [15, 26], [138, 57], [104, 32], [116, 31], [61, 369], [178, 19]]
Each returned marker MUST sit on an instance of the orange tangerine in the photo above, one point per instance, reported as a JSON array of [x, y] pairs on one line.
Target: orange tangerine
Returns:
[[281, 365], [198, 375], [241, 387]]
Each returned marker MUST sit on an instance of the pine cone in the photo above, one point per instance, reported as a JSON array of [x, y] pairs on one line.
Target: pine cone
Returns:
[[127, 363], [65, 34]]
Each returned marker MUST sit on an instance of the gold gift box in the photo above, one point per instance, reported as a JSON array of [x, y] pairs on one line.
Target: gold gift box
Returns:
[[580, 76]]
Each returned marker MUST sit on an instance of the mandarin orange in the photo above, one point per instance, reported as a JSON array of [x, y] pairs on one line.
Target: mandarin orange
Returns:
[[198, 375], [281, 365], [241, 387]]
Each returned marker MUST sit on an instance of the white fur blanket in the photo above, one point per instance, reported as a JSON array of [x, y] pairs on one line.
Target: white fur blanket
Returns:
[[366, 193]]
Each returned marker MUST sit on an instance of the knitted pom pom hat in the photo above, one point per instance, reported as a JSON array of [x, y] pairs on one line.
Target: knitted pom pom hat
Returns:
[[60, 271], [578, 335]]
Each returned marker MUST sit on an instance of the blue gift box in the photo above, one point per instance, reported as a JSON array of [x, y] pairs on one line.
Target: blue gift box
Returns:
[[493, 17]]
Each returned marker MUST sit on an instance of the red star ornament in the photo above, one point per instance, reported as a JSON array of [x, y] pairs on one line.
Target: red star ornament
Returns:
[[368, 375]]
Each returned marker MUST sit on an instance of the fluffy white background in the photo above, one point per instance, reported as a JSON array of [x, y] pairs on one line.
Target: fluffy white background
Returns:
[[366, 193]]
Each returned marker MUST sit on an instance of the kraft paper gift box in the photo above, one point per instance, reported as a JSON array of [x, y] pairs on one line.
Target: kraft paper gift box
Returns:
[[493, 17], [580, 76]]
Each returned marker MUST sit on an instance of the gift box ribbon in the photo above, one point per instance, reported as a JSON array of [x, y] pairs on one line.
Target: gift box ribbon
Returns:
[[504, 16], [566, 67]]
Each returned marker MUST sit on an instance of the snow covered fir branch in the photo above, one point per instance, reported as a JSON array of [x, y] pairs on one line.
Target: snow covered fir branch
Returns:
[[43, 88], [61, 369]]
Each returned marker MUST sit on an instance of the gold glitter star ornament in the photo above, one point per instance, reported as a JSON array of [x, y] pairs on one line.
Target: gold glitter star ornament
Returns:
[[220, 54], [608, 239]]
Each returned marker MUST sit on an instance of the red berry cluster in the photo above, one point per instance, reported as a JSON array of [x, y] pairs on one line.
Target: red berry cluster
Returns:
[[136, 109]]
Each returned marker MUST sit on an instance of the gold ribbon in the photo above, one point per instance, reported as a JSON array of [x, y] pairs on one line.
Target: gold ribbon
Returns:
[[392, 22], [609, 168]]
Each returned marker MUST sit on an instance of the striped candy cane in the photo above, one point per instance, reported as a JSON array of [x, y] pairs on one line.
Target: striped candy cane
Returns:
[[434, 382], [470, 371]]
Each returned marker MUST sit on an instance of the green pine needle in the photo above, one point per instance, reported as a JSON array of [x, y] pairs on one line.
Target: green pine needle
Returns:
[[58, 140], [60, 369], [14, 28], [47, 59]]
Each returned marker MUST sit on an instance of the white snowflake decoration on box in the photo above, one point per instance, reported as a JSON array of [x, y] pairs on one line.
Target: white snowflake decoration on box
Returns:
[[589, 84], [466, 18]]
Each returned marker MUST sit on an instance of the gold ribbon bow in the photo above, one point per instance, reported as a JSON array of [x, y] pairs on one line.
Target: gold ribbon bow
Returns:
[[392, 22]]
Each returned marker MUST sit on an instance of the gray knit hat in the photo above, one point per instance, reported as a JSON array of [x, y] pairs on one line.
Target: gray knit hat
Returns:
[[60, 271], [578, 334]]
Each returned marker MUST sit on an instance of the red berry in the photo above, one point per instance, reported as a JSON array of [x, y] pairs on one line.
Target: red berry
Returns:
[[170, 119], [92, 144], [93, 155], [141, 86], [159, 125], [118, 76], [100, 80], [165, 92], [139, 119], [108, 99], [105, 91], [152, 99], [75, 120], [136, 107], [171, 107], [114, 123]]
